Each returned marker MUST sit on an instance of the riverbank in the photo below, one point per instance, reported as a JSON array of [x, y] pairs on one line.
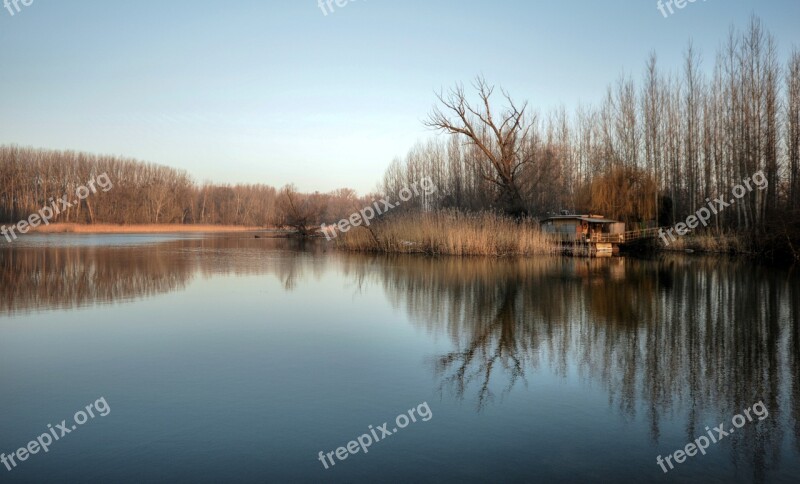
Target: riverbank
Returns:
[[450, 232], [709, 243], [141, 229], [773, 246]]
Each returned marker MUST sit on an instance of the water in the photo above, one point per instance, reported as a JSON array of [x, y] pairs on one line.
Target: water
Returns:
[[229, 358]]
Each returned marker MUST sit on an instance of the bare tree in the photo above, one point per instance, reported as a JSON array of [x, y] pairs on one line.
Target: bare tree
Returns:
[[793, 128], [298, 211], [500, 140]]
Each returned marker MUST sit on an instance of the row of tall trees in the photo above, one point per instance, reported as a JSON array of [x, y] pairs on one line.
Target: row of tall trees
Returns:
[[653, 149], [145, 193]]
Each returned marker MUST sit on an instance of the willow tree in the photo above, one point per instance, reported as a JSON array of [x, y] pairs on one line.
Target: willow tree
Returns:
[[622, 193]]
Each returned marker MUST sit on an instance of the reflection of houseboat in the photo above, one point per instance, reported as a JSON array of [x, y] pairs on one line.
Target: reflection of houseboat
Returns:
[[596, 271], [593, 234]]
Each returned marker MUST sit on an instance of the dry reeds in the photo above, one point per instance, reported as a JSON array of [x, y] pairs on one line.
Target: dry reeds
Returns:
[[722, 243], [450, 232]]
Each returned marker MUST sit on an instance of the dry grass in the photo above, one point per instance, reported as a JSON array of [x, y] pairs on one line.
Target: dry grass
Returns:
[[138, 229], [724, 243], [450, 233]]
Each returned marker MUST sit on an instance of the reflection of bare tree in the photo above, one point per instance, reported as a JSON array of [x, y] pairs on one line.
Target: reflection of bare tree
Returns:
[[496, 342], [485, 306], [482, 305], [664, 337]]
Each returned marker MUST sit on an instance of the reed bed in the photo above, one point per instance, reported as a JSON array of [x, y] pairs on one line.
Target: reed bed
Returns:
[[450, 232], [721, 243]]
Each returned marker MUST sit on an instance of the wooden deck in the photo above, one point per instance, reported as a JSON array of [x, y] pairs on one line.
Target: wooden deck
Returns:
[[626, 237]]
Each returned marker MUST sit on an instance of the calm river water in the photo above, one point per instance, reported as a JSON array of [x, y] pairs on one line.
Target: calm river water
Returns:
[[234, 359]]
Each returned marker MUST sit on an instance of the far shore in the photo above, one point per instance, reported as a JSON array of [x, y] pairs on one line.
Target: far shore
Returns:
[[146, 229], [440, 233]]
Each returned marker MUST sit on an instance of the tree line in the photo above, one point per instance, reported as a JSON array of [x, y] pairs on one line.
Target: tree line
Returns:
[[142, 193], [651, 150], [147, 193]]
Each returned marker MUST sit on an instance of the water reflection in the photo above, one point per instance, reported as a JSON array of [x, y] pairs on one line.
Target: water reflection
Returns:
[[676, 336], [38, 276], [670, 336]]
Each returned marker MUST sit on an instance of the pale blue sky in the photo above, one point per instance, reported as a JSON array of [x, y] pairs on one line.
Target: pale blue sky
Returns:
[[277, 92]]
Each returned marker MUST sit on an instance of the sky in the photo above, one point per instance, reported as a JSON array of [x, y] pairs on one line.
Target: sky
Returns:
[[277, 91]]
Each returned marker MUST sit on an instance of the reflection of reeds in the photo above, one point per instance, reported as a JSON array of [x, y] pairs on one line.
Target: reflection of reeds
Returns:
[[450, 232]]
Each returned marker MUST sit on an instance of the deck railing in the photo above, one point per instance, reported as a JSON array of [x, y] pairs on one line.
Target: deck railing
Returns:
[[628, 236], [620, 238]]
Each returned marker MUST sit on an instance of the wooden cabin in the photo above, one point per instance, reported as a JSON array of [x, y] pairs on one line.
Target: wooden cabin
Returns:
[[596, 232]]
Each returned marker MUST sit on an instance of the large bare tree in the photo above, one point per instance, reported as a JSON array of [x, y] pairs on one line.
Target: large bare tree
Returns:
[[501, 140]]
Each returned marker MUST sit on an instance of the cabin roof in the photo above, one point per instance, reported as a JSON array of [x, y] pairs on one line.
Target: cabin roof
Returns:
[[583, 218]]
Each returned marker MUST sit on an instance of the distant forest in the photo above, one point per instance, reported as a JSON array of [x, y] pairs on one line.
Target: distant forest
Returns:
[[652, 150], [146, 193]]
